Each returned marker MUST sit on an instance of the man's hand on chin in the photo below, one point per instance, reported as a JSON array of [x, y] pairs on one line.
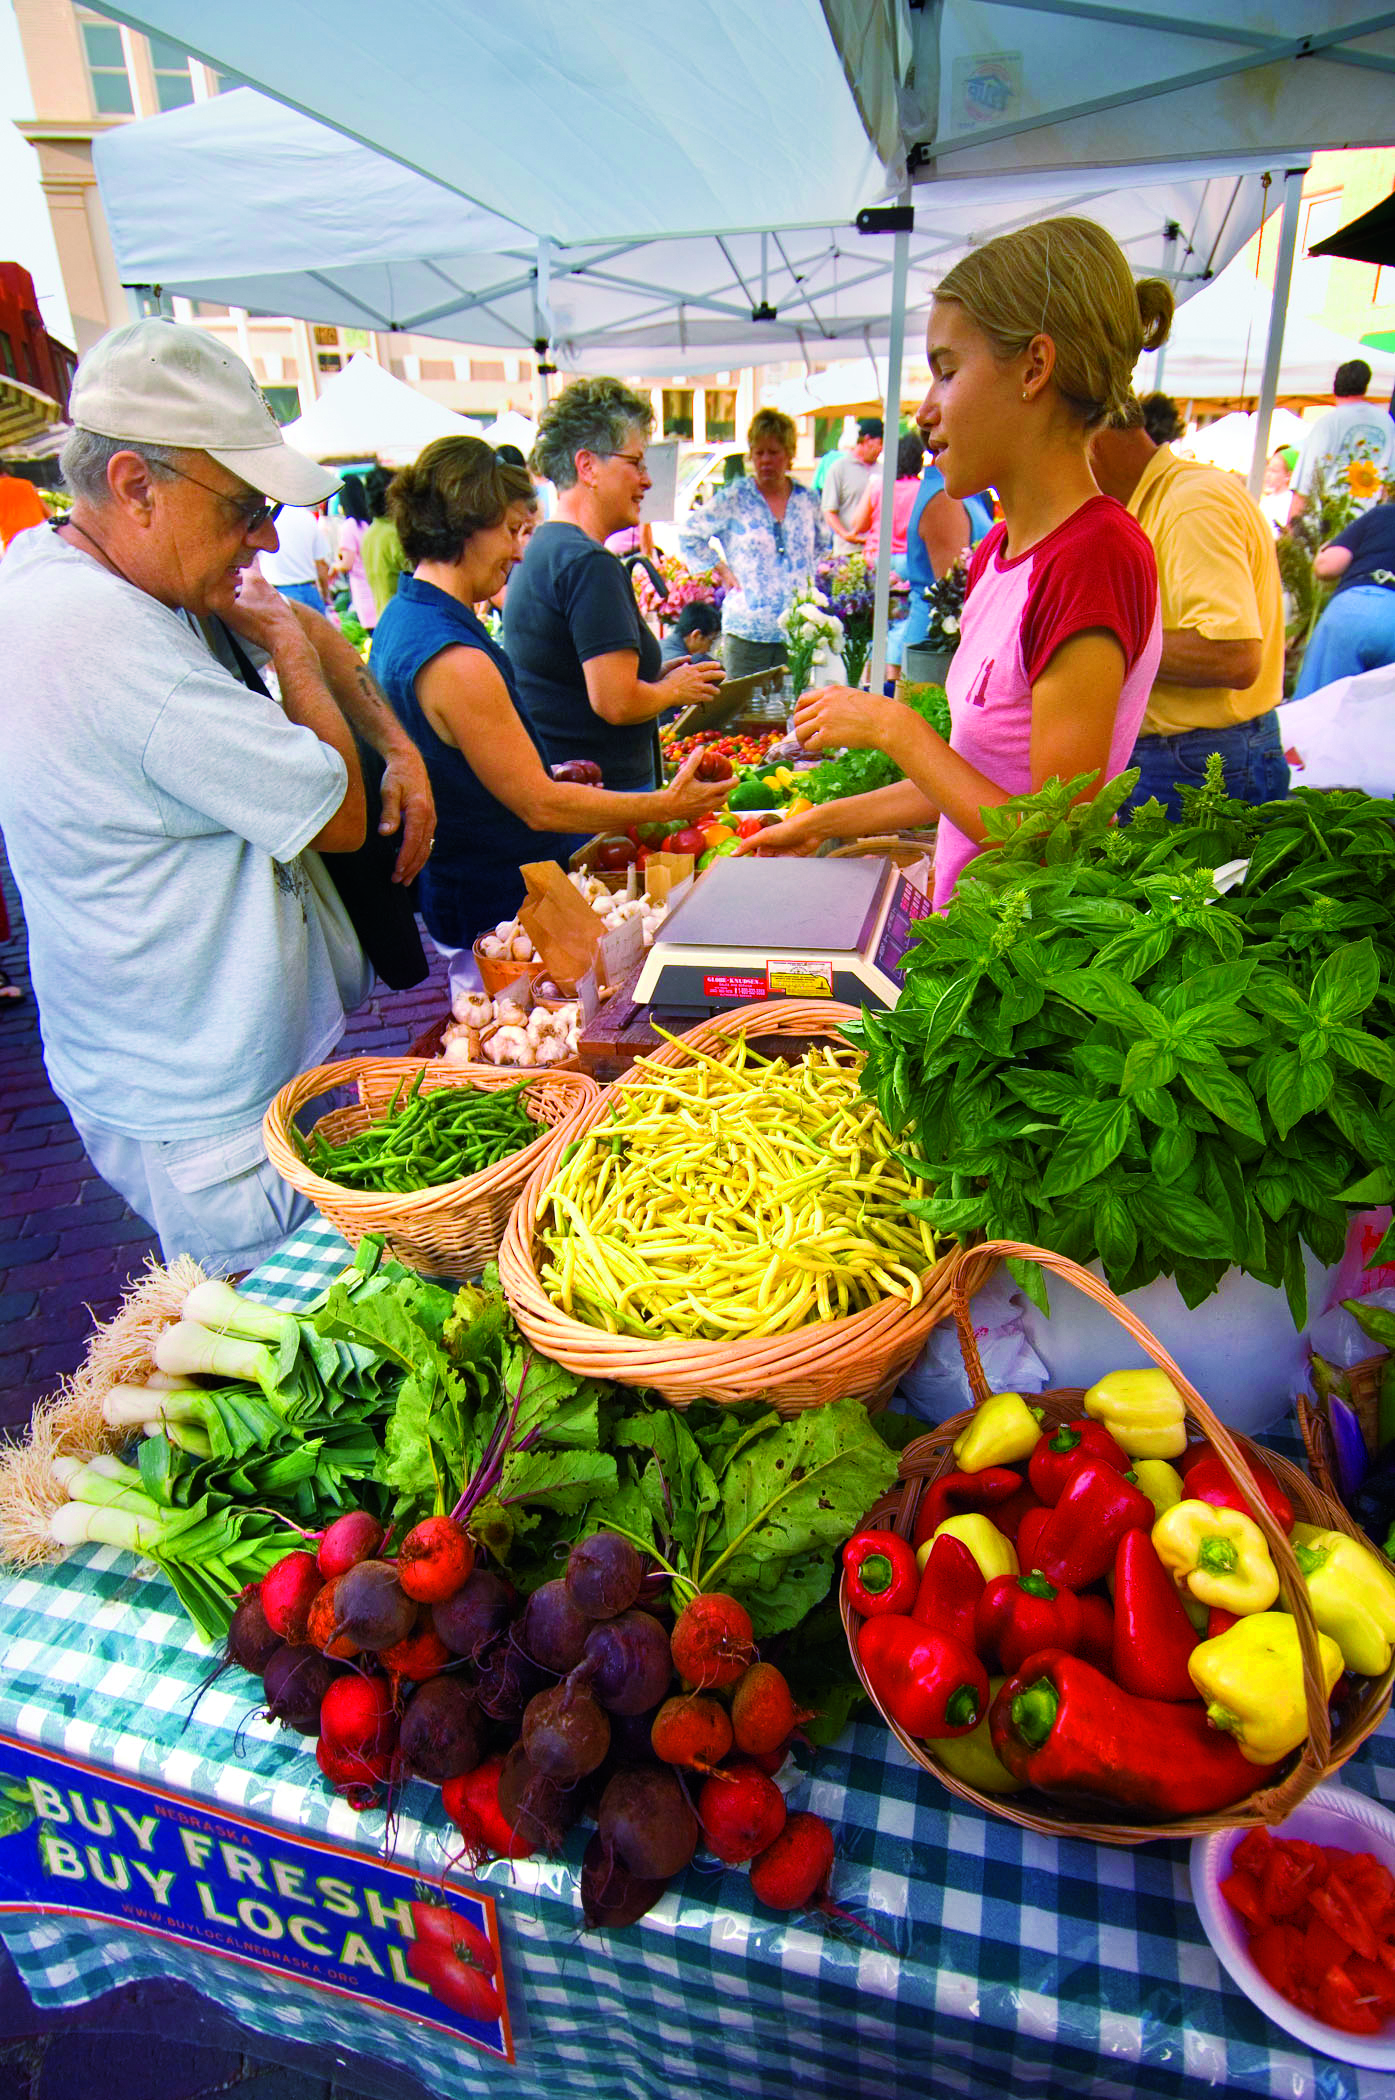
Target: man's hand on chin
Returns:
[[257, 611]]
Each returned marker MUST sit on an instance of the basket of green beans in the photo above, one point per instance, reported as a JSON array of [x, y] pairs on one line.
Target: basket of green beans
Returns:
[[431, 1155]]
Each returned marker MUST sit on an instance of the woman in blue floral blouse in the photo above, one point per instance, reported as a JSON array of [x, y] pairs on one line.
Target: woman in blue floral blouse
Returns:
[[769, 534]]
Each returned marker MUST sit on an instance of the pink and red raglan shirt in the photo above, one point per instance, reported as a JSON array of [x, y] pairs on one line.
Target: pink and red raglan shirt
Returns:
[[1096, 570]]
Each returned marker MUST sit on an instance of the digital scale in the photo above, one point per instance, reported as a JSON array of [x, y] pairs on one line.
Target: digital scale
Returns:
[[785, 929]]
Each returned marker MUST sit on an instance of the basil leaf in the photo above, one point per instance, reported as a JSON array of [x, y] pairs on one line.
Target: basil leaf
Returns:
[[1347, 982], [1226, 1095], [1093, 1140], [1297, 1085]]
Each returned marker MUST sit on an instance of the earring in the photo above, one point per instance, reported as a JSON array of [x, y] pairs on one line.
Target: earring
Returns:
[[1025, 394]]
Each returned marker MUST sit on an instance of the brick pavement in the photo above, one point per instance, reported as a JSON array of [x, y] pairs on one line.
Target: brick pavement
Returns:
[[68, 1248]]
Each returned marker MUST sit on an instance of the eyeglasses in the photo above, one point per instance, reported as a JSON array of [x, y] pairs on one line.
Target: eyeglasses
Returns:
[[254, 511], [631, 459]]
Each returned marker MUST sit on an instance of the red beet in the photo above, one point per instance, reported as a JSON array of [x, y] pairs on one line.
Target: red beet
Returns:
[[435, 1559], [793, 1871], [349, 1539], [356, 1774], [741, 1812], [357, 1714], [287, 1591], [712, 1642], [423, 1654], [472, 1803], [321, 1622]]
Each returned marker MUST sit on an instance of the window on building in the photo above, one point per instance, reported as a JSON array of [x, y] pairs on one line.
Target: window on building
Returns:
[[173, 87], [439, 368], [208, 310], [329, 361], [486, 367], [678, 411], [721, 415], [284, 402], [106, 68], [7, 356], [328, 336]]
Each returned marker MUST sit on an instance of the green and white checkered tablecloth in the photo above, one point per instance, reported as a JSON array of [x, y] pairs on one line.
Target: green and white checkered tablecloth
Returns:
[[997, 1959]]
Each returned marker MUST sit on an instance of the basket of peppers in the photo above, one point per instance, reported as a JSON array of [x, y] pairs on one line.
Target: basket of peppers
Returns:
[[1098, 1613]]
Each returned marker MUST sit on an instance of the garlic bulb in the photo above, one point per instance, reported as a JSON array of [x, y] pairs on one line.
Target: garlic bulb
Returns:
[[492, 944], [506, 929], [508, 1045], [521, 947], [473, 1008], [552, 1050]]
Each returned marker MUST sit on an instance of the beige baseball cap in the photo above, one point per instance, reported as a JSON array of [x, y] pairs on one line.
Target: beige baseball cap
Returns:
[[155, 382]]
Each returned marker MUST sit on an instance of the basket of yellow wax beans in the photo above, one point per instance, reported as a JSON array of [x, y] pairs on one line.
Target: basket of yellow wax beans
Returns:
[[727, 1224]]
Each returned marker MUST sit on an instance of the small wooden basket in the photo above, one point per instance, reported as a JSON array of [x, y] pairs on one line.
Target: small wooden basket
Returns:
[[860, 1356], [498, 972], [930, 1456], [452, 1230]]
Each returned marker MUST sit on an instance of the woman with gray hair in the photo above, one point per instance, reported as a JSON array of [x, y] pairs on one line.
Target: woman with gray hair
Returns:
[[590, 673]]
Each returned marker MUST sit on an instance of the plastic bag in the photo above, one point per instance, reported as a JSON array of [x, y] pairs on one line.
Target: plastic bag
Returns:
[[937, 1385]]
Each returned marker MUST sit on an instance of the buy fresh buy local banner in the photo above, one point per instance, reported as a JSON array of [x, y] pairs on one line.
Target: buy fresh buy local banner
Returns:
[[73, 1839]]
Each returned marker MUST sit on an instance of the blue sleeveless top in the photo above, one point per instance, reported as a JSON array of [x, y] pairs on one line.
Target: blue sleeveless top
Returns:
[[919, 572], [471, 880]]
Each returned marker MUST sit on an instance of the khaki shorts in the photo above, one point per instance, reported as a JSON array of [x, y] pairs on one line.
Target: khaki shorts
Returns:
[[217, 1198]]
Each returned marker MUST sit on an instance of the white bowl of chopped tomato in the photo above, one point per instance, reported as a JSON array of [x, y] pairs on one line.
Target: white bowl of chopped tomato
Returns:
[[1302, 1916]]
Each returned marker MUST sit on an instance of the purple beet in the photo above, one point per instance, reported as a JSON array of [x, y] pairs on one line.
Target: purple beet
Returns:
[[536, 1807], [251, 1642], [610, 1894], [629, 1662], [508, 1679], [646, 1818], [442, 1734], [553, 1628], [295, 1682], [477, 1613]]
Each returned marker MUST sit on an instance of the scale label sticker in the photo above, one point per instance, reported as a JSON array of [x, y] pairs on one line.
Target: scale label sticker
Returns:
[[725, 987], [794, 979], [909, 905]]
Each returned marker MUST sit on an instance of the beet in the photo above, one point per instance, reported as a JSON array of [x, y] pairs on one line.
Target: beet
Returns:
[[630, 1662], [251, 1642], [287, 1591], [553, 1629], [477, 1614], [441, 1733], [604, 1574], [537, 1809], [372, 1610], [793, 1870], [349, 1539], [646, 1818], [741, 1811], [295, 1682], [508, 1679], [631, 1737], [358, 1713], [565, 1733], [610, 1894], [435, 1559], [712, 1641]]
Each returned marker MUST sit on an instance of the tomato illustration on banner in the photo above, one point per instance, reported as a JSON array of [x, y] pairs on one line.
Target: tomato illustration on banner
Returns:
[[75, 1839]]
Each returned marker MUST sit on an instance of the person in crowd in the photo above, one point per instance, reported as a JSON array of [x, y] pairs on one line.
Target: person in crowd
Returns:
[[1355, 429], [1031, 342], [846, 481], [693, 635], [384, 563], [939, 531], [590, 672], [21, 506], [188, 953], [768, 537], [867, 521], [348, 557], [461, 514], [298, 565], [1163, 419], [1221, 675], [1356, 630], [1274, 495]]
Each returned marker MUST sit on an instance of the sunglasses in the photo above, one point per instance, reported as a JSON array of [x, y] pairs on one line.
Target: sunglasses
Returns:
[[254, 511]]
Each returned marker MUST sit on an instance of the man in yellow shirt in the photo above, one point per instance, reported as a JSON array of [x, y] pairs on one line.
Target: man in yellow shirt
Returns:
[[1222, 670]]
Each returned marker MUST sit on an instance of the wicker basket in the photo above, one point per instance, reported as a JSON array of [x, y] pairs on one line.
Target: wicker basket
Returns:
[[498, 972], [858, 1357], [448, 1231], [1363, 1381], [930, 1456]]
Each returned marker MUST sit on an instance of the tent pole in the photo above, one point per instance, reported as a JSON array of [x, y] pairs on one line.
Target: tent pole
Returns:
[[1283, 282], [891, 425], [1170, 237]]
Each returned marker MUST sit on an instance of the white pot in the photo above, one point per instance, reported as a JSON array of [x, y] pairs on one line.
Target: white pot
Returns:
[[830, 672]]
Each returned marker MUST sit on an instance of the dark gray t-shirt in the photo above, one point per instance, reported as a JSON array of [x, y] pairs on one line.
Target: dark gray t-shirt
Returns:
[[570, 601]]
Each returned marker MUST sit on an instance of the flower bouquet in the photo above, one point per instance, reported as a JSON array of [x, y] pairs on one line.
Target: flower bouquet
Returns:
[[813, 636], [946, 598], [684, 589], [852, 600]]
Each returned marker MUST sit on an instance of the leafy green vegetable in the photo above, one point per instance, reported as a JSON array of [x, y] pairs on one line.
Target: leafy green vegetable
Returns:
[[859, 772]]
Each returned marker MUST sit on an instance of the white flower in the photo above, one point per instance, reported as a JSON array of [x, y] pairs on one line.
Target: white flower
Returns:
[[783, 623], [949, 624], [820, 656]]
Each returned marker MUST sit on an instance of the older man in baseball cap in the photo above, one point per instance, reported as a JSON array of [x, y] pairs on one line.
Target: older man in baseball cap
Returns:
[[188, 952]]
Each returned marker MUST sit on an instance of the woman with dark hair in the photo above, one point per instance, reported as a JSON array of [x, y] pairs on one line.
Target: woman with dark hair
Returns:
[[589, 670], [460, 512], [383, 560], [348, 559]]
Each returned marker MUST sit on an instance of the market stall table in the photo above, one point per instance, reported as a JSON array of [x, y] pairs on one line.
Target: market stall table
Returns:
[[974, 1954]]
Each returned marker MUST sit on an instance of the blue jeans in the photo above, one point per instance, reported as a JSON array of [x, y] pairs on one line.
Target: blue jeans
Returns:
[[1252, 753], [304, 594], [1356, 633]]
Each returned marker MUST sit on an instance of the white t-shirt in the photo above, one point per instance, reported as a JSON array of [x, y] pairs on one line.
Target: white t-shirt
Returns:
[[304, 541], [1351, 431], [155, 811]]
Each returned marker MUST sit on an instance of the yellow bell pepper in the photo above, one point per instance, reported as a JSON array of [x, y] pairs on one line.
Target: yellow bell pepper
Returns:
[[1142, 1410], [1002, 1431], [797, 807], [1160, 1482], [972, 1757], [1251, 1677], [1218, 1554], [991, 1549], [1352, 1595]]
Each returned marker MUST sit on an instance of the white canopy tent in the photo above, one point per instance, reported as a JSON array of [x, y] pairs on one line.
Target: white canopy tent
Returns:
[[364, 413], [1216, 349]]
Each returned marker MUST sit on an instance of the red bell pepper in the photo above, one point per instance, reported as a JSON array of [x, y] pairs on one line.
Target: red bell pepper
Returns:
[[1096, 1632], [1097, 1506], [1207, 1480], [1066, 1729], [1007, 1516], [1060, 1452], [949, 1590], [929, 1683], [1219, 1621], [1153, 1636], [881, 1573], [1018, 1615], [1029, 1531], [958, 1494]]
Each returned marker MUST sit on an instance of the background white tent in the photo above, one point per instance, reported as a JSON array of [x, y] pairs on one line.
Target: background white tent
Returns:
[[511, 429], [1229, 442], [364, 413], [1216, 349]]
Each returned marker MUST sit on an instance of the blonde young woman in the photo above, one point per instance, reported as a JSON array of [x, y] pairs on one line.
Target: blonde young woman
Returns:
[[1031, 342]]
